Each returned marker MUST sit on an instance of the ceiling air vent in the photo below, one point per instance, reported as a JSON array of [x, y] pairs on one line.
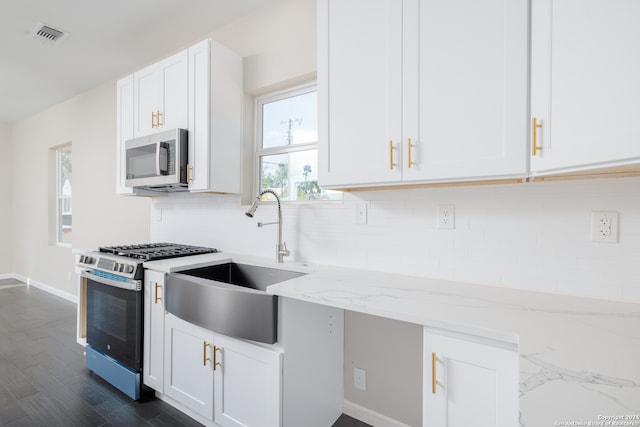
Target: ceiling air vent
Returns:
[[48, 34]]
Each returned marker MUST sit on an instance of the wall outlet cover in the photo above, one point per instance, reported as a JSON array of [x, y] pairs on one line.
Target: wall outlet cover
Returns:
[[446, 217], [604, 227]]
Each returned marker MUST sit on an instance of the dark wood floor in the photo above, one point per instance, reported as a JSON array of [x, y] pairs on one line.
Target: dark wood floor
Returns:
[[43, 380]]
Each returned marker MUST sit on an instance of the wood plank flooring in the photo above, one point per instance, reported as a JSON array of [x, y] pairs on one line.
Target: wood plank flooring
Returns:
[[43, 380]]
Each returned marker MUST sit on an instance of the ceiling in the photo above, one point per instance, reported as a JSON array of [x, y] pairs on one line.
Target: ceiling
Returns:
[[103, 40]]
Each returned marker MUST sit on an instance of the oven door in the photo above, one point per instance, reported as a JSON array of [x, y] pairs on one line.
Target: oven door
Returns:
[[114, 320]]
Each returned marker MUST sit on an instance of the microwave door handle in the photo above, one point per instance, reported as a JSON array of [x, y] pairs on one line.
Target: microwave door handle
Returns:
[[158, 147]]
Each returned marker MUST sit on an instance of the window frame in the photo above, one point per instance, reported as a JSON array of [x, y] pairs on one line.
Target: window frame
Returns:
[[259, 152], [59, 197]]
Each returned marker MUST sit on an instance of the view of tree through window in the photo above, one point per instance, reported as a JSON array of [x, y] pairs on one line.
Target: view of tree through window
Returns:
[[64, 212], [288, 145]]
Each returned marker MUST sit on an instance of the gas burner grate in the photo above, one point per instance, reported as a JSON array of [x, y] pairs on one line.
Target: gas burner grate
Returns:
[[156, 251]]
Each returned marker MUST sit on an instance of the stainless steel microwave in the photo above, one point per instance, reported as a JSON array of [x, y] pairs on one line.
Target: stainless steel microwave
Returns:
[[158, 162]]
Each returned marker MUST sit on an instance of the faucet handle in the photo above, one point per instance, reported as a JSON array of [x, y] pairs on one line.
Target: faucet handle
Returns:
[[284, 251]]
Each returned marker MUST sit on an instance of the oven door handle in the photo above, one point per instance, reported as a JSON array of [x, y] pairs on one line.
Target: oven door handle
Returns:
[[131, 285]]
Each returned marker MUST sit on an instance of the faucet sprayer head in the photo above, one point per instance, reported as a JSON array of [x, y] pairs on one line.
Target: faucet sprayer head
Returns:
[[253, 208]]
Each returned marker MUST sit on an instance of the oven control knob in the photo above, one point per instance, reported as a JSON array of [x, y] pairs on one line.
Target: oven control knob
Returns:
[[130, 269], [88, 260], [81, 259], [115, 266]]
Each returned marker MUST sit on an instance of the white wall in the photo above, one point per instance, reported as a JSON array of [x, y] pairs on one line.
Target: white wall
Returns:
[[100, 217], [5, 196], [533, 236]]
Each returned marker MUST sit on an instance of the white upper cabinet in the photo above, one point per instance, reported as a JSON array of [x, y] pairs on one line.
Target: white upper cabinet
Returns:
[[198, 89], [160, 96], [465, 89], [124, 130], [215, 118], [585, 93], [421, 91], [359, 91]]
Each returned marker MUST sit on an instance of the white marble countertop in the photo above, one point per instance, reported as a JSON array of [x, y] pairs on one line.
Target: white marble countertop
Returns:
[[579, 357]]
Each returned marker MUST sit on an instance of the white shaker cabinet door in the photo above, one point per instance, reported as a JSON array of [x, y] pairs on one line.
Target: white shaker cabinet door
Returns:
[[153, 350], [161, 96], [247, 384], [468, 384], [465, 101], [124, 129], [188, 375], [359, 91], [585, 90]]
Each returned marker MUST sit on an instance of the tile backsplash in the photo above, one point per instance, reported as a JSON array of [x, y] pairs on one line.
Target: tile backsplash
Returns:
[[534, 236]]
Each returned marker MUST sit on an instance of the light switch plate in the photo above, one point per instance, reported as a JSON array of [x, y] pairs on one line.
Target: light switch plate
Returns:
[[360, 379], [362, 210]]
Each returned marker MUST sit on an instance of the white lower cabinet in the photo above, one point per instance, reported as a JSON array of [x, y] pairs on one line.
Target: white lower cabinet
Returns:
[[231, 382], [153, 348], [469, 382], [189, 365], [247, 384]]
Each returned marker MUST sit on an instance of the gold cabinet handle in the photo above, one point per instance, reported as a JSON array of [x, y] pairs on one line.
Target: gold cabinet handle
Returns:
[[205, 359], [215, 357], [391, 164], [409, 162], [157, 298], [434, 382], [189, 173], [153, 119], [158, 114], [534, 136]]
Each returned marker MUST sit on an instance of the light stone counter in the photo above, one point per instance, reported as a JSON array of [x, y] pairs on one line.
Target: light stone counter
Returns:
[[579, 357]]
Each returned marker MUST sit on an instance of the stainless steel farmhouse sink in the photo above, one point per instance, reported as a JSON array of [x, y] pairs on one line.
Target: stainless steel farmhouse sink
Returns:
[[228, 298]]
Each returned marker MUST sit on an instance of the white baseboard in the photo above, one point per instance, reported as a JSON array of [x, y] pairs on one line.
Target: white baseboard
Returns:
[[54, 291], [370, 417]]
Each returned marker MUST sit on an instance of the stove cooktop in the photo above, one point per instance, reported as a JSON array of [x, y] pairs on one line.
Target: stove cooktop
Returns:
[[156, 251]]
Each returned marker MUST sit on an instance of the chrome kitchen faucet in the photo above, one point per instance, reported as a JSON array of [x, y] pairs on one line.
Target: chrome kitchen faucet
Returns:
[[281, 249]]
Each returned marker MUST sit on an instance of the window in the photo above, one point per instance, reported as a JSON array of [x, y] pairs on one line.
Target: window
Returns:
[[287, 145], [63, 195]]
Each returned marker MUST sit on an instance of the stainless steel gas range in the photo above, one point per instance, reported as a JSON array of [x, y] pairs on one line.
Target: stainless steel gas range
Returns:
[[111, 308]]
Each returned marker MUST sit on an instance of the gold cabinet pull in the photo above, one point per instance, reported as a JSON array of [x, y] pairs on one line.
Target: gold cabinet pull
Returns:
[[215, 357], [157, 298], [391, 164], [534, 136], [434, 382], [158, 114], [189, 173], [409, 153], [153, 119], [205, 359]]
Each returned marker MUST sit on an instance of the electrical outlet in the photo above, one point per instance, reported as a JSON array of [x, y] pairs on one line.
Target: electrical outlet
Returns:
[[360, 379], [446, 217], [604, 227]]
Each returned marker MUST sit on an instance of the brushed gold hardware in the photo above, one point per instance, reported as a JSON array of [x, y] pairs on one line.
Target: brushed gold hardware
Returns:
[[433, 373], [409, 153], [534, 140], [215, 357], [153, 119], [157, 298], [391, 164], [205, 359], [158, 114], [189, 173]]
